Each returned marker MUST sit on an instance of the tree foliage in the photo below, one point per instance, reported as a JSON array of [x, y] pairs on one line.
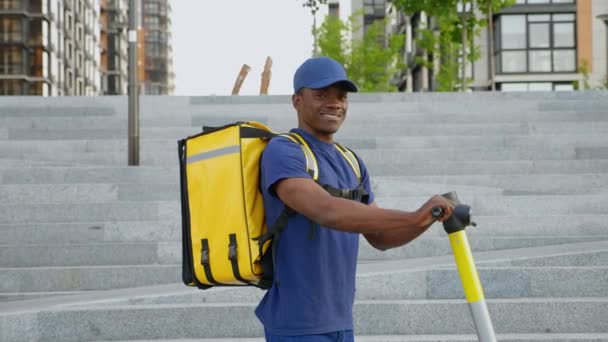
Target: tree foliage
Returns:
[[446, 40], [371, 61], [314, 5]]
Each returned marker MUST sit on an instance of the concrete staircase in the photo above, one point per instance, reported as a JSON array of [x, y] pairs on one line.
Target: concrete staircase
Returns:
[[90, 248]]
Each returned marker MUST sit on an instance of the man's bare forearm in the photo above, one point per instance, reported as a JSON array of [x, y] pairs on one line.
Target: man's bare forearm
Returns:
[[356, 217]]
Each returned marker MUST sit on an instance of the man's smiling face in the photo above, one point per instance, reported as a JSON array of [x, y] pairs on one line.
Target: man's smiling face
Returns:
[[321, 111]]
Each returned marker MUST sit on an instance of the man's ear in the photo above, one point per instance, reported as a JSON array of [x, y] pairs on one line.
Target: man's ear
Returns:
[[296, 100]]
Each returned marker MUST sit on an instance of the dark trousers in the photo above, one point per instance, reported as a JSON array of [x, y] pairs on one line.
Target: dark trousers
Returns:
[[336, 336]]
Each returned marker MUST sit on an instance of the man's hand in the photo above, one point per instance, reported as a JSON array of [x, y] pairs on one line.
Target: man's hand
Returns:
[[426, 217]]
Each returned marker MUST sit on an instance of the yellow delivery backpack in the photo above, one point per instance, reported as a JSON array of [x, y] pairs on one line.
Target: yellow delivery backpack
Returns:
[[225, 240]]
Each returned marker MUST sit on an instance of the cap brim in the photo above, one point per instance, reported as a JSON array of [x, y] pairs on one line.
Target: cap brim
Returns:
[[345, 84]]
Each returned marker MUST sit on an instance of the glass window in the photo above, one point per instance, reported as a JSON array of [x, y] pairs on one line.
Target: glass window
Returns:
[[539, 35], [151, 7], [11, 87], [563, 17], [539, 17], [10, 30], [513, 61], [11, 4], [151, 22], [540, 38], [10, 60], [514, 87], [153, 50], [39, 63], [513, 31], [153, 36], [563, 34], [540, 60], [563, 87], [540, 86], [564, 60]]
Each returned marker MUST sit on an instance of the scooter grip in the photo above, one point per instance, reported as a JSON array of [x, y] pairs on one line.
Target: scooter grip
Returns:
[[437, 212]]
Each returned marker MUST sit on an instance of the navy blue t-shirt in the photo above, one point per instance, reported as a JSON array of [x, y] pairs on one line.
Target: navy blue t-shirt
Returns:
[[314, 286]]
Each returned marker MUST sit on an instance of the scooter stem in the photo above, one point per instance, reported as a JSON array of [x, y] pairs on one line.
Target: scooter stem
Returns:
[[455, 227]]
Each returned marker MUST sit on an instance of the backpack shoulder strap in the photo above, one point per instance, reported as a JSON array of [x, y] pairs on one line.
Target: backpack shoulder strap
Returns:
[[350, 158], [311, 162]]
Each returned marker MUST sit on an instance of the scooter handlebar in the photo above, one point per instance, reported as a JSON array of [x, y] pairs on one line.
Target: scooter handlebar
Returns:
[[460, 218]]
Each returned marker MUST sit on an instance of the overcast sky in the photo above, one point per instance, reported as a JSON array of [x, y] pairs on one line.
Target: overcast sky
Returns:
[[213, 39]]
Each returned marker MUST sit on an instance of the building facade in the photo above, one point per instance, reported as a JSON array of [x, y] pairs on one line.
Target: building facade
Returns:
[[547, 45], [114, 46], [537, 45], [80, 47], [49, 47], [158, 76]]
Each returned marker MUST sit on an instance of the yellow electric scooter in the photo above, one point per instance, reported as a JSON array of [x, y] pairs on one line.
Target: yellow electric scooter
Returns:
[[455, 227]]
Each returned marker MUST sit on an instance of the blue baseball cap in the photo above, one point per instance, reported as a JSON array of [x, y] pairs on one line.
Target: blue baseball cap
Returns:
[[320, 72]]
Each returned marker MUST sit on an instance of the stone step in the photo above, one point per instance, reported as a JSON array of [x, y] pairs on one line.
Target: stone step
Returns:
[[428, 338], [544, 174], [598, 258], [89, 174], [43, 254], [472, 167], [507, 184], [20, 163], [510, 141], [397, 317], [473, 154], [104, 193], [405, 100], [21, 296], [91, 278], [387, 114], [497, 282], [90, 212], [85, 278], [168, 156], [544, 226], [435, 246], [347, 131], [169, 105], [392, 169], [171, 210], [283, 115], [579, 184], [92, 232], [371, 157], [17, 147], [93, 254], [523, 205], [510, 183], [87, 193]]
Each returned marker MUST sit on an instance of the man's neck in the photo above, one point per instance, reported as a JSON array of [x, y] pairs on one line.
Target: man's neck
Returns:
[[326, 138]]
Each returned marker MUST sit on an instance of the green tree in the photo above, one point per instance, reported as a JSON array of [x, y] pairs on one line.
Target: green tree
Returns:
[[314, 6], [454, 30], [332, 38], [371, 61], [583, 69]]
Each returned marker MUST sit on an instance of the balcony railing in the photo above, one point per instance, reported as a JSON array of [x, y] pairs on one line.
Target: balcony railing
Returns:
[[11, 69]]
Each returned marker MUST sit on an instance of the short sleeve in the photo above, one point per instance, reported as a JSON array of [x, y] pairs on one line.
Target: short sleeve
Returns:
[[282, 159], [365, 180]]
